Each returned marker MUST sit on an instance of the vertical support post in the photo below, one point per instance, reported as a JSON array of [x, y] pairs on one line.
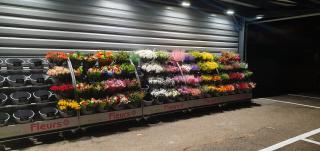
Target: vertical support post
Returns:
[[242, 35]]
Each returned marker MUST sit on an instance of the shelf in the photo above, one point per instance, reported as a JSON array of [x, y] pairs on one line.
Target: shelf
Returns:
[[37, 127], [26, 87], [26, 105], [155, 109]]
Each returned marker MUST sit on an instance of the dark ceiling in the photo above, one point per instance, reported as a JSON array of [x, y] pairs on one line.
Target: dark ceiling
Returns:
[[251, 8]]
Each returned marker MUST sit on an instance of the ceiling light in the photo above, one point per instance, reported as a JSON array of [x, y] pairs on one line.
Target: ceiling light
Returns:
[[259, 16], [229, 12], [185, 3]]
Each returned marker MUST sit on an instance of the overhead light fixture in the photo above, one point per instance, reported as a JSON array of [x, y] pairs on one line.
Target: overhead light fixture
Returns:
[[229, 12], [259, 16], [185, 3]]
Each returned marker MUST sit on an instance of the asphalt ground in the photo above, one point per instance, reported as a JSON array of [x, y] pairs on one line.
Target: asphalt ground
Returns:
[[262, 124]]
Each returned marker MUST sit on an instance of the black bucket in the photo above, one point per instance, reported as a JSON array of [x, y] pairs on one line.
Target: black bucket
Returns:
[[36, 63], [23, 116], [2, 80], [38, 79], [42, 96], [17, 80], [14, 63], [48, 113], [20, 97], [4, 118], [3, 99]]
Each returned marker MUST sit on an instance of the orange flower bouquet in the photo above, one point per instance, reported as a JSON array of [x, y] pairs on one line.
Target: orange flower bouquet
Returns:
[[56, 57]]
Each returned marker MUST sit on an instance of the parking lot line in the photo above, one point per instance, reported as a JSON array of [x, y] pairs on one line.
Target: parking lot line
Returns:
[[311, 141], [291, 140], [317, 107], [304, 96]]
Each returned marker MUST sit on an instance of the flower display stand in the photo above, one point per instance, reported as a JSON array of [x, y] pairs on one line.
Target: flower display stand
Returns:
[[59, 124]]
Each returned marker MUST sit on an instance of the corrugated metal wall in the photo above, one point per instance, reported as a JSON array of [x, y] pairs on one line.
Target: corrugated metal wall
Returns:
[[34, 26]]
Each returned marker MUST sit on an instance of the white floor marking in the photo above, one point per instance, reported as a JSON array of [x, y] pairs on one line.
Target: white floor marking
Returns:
[[311, 141], [291, 140], [305, 96], [317, 107]]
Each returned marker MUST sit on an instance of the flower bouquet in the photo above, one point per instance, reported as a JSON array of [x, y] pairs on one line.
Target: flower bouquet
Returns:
[[206, 78], [122, 57], [243, 66], [186, 68], [228, 56], [172, 95], [197, 55], [60, 73], [134, 58], [206, 56], [206, 91], [184, 94], [103, 105], [68, 108], [76, 58], [224, 77], [96, 90], [79, 73], [119, 101], [94, 74], [113, 85], [156, 81], [56, 58], [162, 56], [104, 57], [65, 90], [128, 70], [179, 79], [208, 67], [248, 74], [89, 61], [159, 95], [194, 68], [146, 55], [171, 69], [135, 99], [83, 90], [177, 55], [131, 84], [192, 80], [88, 106], [189, 58], [152, 68]]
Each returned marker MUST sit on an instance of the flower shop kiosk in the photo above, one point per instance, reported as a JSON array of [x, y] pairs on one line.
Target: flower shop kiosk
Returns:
[[68, 65]]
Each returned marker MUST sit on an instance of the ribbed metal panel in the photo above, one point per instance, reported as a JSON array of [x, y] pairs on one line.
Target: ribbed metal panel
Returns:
[[43, 25]]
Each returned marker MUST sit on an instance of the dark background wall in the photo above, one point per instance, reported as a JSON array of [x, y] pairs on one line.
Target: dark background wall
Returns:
[[36, 26], [285, 56]]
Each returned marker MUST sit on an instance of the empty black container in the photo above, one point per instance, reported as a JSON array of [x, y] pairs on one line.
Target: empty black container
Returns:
[[14, 63], [17, 80], [35, 63], [23, 116], [42, 96], [2, 80], [4, 118], [3, 99], [48, 113], [38, 79], [20, 97]]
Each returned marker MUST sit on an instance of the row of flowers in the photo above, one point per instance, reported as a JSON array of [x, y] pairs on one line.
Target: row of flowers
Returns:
[[108, 85], [131, 100], [103, 57], [226, 76], [227, 88]]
